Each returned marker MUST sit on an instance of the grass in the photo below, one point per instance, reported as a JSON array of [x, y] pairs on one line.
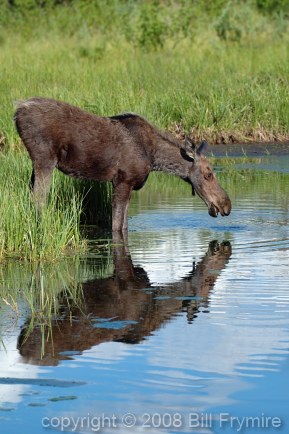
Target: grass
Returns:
[[221, 93], [27, 234], [222, 77]]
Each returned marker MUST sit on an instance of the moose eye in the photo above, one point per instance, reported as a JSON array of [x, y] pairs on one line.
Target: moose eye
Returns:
[[208, 176]]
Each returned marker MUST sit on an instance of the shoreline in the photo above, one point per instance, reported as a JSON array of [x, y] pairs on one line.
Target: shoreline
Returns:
[[230, 137], [249, 149]]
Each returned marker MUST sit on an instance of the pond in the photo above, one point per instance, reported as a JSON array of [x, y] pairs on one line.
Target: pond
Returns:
[[182, 327]]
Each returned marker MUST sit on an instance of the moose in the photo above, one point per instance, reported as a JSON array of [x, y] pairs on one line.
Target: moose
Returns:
[[123, 149]]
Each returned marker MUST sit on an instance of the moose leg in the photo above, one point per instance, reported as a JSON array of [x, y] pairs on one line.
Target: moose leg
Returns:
[[40, 185], [120, 201], [125, 216]]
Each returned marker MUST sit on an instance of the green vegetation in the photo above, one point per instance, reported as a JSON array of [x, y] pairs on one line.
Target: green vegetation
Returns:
[[24, 232], [213, 69], [216, 70]]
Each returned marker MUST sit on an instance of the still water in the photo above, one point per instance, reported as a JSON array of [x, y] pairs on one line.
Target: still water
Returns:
[[183, 327]]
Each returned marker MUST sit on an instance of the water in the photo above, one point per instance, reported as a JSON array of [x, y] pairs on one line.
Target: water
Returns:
[[182, 328]]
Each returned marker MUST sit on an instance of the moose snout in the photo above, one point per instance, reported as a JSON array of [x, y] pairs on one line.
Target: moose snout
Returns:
[[227, 207]]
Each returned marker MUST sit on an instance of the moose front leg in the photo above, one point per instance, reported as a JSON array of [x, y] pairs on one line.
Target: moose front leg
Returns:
[[120, 201]]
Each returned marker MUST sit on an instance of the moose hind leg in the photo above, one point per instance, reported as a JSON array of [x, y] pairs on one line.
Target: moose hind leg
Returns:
[[40, 185]]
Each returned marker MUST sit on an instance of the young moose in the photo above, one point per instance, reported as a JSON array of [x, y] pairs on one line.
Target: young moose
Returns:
[[122, 149]]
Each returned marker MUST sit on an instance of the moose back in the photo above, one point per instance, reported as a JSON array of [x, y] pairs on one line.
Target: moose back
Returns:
[[123, 149]]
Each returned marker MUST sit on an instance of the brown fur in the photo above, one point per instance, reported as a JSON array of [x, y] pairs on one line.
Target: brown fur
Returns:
[[122, 149]]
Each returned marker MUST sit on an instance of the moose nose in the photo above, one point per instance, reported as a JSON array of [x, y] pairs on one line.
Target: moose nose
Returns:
[[227, 208]]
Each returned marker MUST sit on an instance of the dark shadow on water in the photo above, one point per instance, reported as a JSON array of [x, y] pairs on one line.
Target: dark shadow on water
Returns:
[[124, 307]]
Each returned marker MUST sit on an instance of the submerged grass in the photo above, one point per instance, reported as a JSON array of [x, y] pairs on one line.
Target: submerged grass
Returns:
[[35, 293]]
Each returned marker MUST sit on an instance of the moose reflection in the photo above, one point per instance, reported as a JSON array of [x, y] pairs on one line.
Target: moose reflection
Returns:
[[124, 307]]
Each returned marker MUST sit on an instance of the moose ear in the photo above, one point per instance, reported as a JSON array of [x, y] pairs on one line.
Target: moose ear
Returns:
[[188, 152], [202, 148]]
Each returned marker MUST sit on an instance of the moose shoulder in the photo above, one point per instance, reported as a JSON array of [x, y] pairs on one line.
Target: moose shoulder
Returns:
[[122, 149]]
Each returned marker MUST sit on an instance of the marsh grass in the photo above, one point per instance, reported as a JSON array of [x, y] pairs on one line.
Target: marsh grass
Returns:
[[26, 233], [96, 203]]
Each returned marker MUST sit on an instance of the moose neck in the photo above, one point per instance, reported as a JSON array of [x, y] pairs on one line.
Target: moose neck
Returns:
[[167, 158]]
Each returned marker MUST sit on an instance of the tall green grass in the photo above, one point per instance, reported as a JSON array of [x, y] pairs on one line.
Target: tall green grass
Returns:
[[215, 72], [26, 233], [219, 92]]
